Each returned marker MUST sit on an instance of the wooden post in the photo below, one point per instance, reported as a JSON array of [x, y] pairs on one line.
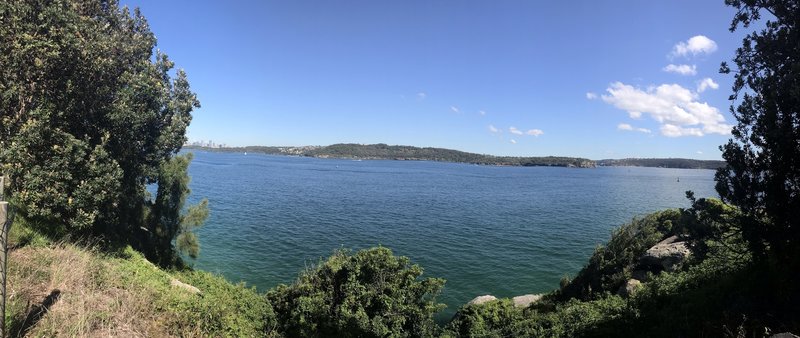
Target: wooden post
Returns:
[[5, 223]]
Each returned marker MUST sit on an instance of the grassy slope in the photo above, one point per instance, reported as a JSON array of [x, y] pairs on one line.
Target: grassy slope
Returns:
[[101, 295]]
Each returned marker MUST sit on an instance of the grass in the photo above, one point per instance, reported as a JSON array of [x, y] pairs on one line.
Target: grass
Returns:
[[63, 289]]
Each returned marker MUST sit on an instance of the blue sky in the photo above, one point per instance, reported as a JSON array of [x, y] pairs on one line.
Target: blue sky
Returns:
[[529, 78]]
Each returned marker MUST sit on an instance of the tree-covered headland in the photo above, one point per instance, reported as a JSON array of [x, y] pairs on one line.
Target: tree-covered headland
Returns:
[[91, 117]]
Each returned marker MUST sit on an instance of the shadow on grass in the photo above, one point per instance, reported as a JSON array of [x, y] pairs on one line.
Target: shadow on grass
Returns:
[[19, 329]]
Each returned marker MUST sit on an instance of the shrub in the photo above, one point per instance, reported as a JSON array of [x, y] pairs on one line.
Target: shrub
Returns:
[[371, 293], [609, 267]]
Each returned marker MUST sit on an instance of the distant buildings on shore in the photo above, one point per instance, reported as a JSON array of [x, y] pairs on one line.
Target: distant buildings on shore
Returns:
[[206, 144]]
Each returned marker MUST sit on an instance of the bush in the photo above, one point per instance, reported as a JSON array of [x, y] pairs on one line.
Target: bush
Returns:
[[609, 267], [371, 293], [491, 319]]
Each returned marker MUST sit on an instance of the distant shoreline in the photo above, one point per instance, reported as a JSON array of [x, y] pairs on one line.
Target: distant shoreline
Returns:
[[409, 153]]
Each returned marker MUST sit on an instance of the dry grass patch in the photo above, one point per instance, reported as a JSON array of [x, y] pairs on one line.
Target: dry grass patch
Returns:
[[64, 290]]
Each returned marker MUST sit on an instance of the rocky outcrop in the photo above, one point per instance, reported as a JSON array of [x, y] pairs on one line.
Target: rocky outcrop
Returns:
[[482, 299], [629, 288], [526, 300], [178, 284], [666, 255]]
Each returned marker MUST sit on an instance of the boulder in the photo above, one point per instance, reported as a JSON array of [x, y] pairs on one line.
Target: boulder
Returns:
[[526, 300], [669, 240], [178, 284], [629, 288], [482, 299], [665, 255]]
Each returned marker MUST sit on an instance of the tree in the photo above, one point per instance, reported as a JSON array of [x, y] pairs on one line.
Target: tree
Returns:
[[371, 293], [167, 219], [762, 176], [88, 116]]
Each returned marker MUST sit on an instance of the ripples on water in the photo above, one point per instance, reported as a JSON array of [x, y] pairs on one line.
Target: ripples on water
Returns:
[[504, 231]]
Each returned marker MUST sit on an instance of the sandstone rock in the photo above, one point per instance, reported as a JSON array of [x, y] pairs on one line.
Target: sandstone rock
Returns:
[[666, 256], [629, 288], [176, 283], [669, 240], [526, 300], [482, 299]]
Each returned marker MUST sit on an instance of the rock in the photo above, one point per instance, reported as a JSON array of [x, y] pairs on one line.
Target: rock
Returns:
[[482, 299], [669, 240], [665, 256], [629, 288], [176, 283], [526, 300]]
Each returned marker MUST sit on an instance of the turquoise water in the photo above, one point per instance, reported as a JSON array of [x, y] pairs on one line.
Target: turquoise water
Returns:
[[504, 231]]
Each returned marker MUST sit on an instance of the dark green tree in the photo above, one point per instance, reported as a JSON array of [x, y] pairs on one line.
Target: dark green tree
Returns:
[[168, 221], [371, 293], [762, 176], [88, 116]]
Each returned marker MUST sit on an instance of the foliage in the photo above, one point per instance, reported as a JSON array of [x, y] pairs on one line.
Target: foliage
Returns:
[[610, 265], [722, 292], [711, 222], [573, 318], [371, 293], [167, 220], [762, 174], [492, 319], [88, 115]]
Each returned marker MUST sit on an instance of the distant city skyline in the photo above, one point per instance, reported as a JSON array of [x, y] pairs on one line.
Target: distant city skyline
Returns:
[[585, 79]]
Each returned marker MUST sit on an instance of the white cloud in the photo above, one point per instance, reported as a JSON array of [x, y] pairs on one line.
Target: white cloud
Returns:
[[513, 141], [591, 96], [534, 132], [699, 152], [698, 44], [671, 130], [705, 84], [677, 109], [455, 109], [681, 69], [514, 130], [628, 127], [421, 96], [482, 113], [493, 129]]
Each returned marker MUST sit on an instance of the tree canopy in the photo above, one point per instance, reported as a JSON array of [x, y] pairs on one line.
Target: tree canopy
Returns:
[[89, 116], [762, 176]]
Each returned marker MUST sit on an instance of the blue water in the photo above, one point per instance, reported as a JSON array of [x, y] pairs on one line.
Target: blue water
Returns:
[[504, 231]]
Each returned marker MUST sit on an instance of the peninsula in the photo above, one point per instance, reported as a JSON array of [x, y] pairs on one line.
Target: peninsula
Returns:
[[382, 151]]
